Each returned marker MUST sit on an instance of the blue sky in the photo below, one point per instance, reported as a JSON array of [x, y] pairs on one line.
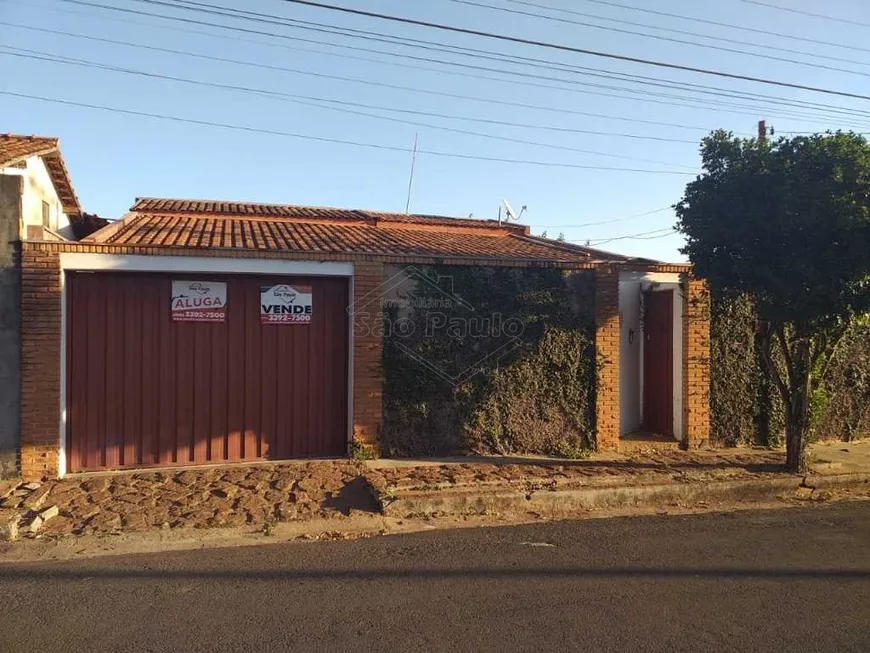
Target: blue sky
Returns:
[[115, 157]]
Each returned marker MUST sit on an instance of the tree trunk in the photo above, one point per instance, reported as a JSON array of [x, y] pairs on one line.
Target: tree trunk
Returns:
[[798, 410], [795, 440], [794, 387]]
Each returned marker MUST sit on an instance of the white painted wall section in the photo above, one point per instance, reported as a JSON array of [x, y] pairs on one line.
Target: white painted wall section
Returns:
[[631, 286], [39, 188], [630, 360]]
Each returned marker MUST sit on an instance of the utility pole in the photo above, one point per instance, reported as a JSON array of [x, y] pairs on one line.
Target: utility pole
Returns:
[[762, 131]]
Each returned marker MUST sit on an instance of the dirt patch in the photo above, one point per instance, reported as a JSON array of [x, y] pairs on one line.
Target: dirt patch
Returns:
[[213, 497]]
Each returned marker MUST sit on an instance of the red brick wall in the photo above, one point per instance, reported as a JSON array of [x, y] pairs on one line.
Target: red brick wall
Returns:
[[696, 364], [607, 345], [368, 345], [40, 362], [41, 351], [41, 355]]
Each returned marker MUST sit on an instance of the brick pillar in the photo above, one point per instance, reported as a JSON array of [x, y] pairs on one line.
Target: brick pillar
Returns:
[[368, 347], [696, 364], [40, 361], [607, 347]]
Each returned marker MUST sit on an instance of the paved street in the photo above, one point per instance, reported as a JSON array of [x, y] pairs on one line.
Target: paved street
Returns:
[[788, 580]]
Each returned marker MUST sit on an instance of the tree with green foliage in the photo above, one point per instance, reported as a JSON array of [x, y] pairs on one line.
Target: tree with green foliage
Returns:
[[786, 223]]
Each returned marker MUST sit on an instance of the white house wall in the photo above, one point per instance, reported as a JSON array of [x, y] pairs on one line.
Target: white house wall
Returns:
[[38, 188]]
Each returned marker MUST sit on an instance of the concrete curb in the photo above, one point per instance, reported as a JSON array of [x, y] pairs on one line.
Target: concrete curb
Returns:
[[564, 501], [836, 481]]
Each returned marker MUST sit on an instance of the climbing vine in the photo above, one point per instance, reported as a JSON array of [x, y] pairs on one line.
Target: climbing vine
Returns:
[[746, 407], [476, 388]]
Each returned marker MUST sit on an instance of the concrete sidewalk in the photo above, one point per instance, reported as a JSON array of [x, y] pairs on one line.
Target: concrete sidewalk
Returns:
[[556, 487], [230, 505]]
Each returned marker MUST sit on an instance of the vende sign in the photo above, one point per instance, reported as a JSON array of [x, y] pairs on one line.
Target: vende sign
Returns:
[[285, 304], [199, 301]]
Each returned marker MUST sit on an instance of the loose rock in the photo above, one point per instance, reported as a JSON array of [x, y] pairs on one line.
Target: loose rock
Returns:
[[49, 513], [9, 522], [37, 497]]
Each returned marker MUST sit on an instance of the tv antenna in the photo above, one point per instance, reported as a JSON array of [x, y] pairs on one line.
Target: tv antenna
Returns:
[[411, 179]]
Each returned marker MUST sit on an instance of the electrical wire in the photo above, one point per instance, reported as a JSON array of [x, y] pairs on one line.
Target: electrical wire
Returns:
[[661, 28], [807, 13], [483, 5], [727, 107], [644, 235], [308, 101], [600, 222], [360, 81], [439, 93], [575, 50], [193, 5], [704, 21], [337, 141]]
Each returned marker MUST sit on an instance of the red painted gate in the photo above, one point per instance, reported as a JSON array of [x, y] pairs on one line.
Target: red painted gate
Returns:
[[144, 390]]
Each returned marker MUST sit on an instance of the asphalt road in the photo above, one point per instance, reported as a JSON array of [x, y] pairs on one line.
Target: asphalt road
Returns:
[[789, 580]]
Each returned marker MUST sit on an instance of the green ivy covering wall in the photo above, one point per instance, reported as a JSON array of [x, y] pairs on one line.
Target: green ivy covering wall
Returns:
[[841, 409], [746, 407], [449, 392]]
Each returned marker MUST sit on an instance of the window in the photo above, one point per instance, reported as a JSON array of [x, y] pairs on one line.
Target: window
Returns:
[[46, 214]]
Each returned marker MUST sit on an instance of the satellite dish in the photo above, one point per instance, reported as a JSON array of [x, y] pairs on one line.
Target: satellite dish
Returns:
[[511, 214]]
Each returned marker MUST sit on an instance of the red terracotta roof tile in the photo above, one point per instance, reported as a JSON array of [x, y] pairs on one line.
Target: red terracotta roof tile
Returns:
[[156, 222], [307, 213], [16, 148], [153, 229]]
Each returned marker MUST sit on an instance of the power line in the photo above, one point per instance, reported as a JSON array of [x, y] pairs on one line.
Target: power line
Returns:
[[661, 28], [704, 21], [428, 45], [484, 5], [644, 235], [440, 93], [567, 48], [728, 107], [309, 101], [337, 141], [193, 5], [806, 13], [600, 222], [445, 116]]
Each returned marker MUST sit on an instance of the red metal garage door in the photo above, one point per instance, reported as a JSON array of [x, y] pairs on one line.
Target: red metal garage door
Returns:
[[144, 390]]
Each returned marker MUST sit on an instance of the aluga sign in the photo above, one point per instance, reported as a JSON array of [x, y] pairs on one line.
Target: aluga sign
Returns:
[[286, 304], [199, 301]]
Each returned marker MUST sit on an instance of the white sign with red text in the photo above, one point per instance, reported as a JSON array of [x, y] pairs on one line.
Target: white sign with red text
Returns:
[[286, 304], [199, 301]]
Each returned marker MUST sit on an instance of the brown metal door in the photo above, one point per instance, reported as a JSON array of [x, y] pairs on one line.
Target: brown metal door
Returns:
[[658, 362], [144, 391]]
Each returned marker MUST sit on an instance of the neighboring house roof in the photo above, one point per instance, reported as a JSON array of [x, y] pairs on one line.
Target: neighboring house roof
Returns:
[[86, 224], [308, 213], [15, 149], [279, 227]]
